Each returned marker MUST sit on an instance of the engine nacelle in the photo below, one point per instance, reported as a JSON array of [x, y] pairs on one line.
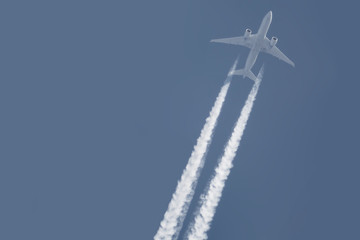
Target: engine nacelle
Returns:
[[273, 41], [247, 32]]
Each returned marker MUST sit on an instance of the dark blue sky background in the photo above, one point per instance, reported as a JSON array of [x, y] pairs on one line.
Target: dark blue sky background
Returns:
[[101, 103]]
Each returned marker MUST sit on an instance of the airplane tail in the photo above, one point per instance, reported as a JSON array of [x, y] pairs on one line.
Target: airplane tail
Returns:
[[244, 73]]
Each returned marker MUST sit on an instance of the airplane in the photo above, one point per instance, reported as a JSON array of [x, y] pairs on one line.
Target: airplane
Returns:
[[257, 43]]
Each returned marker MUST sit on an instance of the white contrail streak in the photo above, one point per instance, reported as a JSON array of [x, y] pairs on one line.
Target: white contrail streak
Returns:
[[171, 225], [205, 214]]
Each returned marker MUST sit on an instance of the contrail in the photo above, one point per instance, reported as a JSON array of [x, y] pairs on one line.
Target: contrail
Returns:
[[201, 223], [171, 225]]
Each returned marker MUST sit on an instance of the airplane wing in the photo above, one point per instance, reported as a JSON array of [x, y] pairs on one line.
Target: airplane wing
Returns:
[[242, 41], [275, 51]]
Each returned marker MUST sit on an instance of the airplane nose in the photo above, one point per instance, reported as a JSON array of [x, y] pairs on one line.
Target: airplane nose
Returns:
[[270, 13]]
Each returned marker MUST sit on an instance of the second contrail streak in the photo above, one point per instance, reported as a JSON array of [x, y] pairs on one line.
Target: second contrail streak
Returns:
[[179, 204], [205, 214]]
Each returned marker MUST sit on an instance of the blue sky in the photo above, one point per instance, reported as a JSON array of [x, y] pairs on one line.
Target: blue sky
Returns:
[[102, 101]]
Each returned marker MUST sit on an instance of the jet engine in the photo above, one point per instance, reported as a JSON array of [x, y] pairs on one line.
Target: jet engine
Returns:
[[273, 41], [247, 33]]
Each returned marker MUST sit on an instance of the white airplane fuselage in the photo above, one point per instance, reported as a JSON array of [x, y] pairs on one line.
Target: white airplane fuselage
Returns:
[[259, 42]]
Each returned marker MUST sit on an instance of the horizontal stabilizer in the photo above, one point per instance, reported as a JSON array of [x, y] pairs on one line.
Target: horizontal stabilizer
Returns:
[[244, 73]]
